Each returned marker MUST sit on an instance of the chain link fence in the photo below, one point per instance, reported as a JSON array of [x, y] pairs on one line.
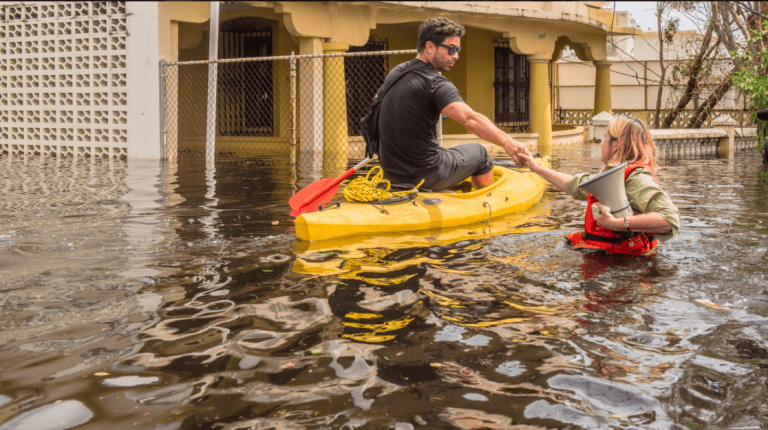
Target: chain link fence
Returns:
[[635, 91], [284, 110]]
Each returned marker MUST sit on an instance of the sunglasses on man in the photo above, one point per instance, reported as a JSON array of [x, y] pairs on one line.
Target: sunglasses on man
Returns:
[[451, 49]]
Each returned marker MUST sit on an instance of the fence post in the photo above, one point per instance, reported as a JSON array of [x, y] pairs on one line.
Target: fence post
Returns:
[[210, 129], [557, 86], [162, 110], [213, 54], [293, 108]]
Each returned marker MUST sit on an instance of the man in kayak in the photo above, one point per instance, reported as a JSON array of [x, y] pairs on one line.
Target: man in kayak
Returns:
[[412, 107]]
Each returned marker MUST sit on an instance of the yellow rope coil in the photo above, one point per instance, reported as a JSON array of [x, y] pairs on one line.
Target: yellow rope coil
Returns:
[[365, 189]]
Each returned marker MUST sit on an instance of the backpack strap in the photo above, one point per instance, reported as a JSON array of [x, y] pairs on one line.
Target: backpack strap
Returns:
[[413, 64], [369, 123]]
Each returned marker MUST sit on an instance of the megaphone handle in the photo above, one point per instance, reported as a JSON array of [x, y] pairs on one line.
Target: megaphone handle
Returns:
[[625, 207]]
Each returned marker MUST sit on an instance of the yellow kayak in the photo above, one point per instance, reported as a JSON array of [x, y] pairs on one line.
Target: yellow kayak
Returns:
[[528, 221], [513, 190]]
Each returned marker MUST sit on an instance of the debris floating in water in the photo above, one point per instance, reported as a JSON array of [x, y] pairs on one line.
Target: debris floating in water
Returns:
[[712, 305]]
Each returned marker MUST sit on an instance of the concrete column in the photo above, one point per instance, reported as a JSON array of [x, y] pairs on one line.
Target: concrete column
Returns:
[[540, 106], [143, 76], [335, 130], [310, 89], [171, 107], [728, 124], [602, 87]]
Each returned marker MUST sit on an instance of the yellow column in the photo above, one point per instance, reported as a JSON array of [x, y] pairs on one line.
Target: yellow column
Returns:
[[602, 87], [335, 131], [540, 106]]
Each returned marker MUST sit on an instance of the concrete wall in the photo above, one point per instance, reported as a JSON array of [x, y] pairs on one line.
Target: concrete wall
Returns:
[[66, 78], [143, 73]]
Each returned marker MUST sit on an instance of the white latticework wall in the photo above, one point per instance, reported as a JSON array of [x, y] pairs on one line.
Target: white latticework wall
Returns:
[[63, 84]]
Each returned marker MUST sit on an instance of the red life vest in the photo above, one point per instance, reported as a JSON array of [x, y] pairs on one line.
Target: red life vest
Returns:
[[596, 237]]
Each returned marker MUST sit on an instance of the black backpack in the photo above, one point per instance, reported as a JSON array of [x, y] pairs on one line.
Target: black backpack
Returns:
[[369, 125]]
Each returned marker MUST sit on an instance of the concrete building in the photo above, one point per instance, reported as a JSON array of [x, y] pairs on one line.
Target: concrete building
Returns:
[[83, 77]]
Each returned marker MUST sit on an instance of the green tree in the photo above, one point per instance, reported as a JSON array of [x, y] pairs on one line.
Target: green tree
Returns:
[[751, 79], [727, 25]]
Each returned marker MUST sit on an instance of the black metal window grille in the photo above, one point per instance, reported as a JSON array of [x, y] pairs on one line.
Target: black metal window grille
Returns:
[[245, 89], [364, 76], [511, 87]]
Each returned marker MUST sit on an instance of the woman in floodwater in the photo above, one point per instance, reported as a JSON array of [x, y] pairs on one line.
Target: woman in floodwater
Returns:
[[627, 140]]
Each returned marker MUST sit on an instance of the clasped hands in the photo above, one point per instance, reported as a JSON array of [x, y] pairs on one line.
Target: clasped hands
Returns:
[[516, 150]]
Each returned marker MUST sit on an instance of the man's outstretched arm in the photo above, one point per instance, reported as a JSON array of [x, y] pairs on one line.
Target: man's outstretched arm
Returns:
[[485, 129]]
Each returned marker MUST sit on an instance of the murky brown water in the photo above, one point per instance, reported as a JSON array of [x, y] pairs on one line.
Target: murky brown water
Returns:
[[138, 297]]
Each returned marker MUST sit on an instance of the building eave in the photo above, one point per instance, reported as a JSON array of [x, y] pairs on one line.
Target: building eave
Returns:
[[596, 19]]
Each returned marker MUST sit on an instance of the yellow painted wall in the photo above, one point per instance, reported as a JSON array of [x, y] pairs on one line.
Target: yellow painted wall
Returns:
[[475, 82], [193, 84], [400, 36]]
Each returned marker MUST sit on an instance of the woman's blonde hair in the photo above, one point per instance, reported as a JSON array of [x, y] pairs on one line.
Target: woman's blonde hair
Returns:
[[635, 144]]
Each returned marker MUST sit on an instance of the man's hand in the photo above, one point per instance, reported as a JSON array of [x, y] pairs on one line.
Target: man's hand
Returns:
[[515, 149]]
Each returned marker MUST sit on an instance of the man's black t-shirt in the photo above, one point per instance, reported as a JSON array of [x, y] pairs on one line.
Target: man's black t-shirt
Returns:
[[408, 121]]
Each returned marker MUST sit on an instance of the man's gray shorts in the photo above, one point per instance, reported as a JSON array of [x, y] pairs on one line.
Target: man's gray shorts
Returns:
[[458, 163]]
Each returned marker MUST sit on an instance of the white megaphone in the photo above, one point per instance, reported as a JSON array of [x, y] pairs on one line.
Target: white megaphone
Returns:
[[609, 189]]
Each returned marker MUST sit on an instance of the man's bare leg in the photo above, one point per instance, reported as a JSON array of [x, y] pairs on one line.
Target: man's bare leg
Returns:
[[481, 181]]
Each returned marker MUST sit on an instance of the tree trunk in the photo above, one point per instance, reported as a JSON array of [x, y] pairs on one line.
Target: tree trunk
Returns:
[[702, 113], [693, 79], [659, 94], [659, 10]]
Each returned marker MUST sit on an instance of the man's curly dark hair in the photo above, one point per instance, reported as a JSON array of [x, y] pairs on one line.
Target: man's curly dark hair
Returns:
[[435, 30]]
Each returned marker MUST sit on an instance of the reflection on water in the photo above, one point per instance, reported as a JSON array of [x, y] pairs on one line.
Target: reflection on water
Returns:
[[139, 295]]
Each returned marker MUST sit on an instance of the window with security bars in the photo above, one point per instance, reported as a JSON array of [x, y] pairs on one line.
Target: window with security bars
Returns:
[[511, 87], [245, 89], [364, 76]]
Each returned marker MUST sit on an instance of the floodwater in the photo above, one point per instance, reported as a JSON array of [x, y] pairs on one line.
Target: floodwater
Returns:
[[140, 296]]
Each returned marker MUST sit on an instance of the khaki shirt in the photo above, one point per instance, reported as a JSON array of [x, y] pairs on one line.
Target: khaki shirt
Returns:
[[645, 195]]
